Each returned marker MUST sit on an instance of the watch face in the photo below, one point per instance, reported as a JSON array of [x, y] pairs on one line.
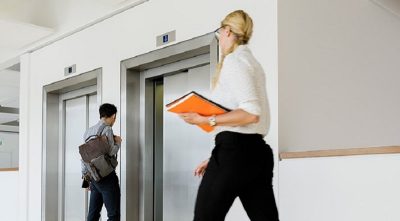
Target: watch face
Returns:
[[212, 121]]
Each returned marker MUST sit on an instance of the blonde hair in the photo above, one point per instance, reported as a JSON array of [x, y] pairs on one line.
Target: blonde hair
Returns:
[[241, 25]]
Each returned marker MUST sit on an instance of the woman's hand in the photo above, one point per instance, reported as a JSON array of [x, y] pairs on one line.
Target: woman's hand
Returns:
[[201, 168], [193, 118]]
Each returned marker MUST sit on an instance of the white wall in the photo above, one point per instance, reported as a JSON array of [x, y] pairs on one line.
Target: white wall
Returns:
[[64, 15], [9, 195], [15, 9], [338, 74], [59, 14], [123, 36], [355, 188], [24, 130]]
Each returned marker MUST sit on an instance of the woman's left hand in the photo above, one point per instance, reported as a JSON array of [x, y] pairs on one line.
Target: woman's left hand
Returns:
[[193, 118]]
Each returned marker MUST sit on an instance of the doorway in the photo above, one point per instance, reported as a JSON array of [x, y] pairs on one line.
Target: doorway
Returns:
[[70, 107], [160, 151]]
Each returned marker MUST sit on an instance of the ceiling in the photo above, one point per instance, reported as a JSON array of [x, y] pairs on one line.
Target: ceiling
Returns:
[[25, 24], [15, 36], [18, 31]]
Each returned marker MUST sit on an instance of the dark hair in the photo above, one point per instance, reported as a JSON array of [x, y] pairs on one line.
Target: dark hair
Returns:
[[107, 110]]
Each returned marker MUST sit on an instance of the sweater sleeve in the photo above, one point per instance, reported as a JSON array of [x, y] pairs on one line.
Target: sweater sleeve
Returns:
[[241, 82], [110, 137]]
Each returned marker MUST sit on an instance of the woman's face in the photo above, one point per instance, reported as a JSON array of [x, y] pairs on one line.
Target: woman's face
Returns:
[[224, 36]]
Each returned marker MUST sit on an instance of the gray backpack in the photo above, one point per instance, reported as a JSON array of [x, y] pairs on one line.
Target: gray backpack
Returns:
[[94, 153]]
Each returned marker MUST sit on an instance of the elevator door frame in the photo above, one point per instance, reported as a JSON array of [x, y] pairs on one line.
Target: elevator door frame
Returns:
[[53, 137], [137, 123]]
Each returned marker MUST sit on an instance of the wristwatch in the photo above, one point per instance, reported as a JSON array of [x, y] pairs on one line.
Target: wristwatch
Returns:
[[212, 121]]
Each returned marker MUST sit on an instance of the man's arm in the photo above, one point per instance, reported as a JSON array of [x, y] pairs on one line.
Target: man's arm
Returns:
[[114, 141]]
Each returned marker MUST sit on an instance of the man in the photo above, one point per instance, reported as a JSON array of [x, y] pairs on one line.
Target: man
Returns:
[[106, 190]]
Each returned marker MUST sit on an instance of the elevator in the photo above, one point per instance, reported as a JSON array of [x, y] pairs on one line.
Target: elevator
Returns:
[[161, 151], [178, 147], [70, 107]]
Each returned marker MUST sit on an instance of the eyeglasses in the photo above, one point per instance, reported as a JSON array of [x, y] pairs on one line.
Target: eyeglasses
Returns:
[[217, 33]]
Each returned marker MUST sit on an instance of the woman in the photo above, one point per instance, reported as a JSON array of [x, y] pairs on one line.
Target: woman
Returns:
[[241, 163]]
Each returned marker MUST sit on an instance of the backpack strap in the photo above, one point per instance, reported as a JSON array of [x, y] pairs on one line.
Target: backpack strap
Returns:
[[90, 137], [101, 128]]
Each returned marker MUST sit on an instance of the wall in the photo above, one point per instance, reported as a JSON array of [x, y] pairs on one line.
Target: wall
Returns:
[[60, 14], [15, 9], [350, 188], [65, 15], [338, 75], [9, 195], [124, 36]]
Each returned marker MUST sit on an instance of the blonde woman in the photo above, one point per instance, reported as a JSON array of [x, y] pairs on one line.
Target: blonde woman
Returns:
[[241, 163]]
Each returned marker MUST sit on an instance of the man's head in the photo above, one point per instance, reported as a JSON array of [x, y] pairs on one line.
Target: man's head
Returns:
[[108, 113]]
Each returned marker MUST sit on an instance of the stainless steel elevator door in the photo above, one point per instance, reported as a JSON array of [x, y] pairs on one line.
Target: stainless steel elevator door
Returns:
[[184, 146], [75, 126], [79, 114]]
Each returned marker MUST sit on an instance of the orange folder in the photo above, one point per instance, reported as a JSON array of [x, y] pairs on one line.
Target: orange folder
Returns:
[[194, 102]]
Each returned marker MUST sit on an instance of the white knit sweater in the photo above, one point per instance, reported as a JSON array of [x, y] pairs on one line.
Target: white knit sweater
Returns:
[[241, 85]]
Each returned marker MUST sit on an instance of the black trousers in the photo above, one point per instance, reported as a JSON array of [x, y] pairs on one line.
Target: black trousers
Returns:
[[240, 166], [105, 191]]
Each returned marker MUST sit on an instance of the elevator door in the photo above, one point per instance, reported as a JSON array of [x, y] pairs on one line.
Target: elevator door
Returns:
[[183, 147], [80, 112]]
